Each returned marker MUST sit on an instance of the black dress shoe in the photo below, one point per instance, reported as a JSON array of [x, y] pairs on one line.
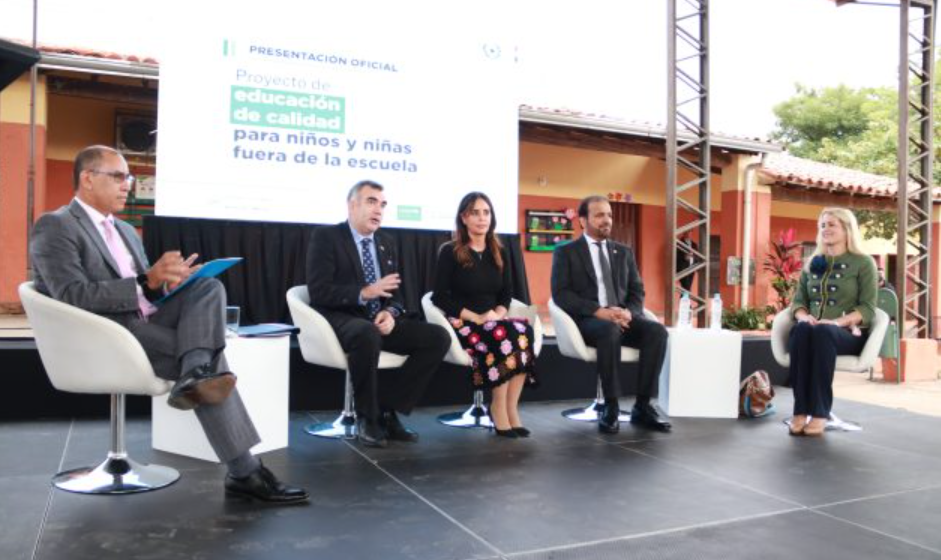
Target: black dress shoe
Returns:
[[608, 421], [370, 433], [509, 434], [648, 416], [263, 485], [521, 431], [394, 428], [201, 385]]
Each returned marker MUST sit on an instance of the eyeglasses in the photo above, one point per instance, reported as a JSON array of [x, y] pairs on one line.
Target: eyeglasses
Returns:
[[116, 176]]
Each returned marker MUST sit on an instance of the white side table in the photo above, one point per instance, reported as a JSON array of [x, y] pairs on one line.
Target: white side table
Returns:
[[700, 376], [262, 367]]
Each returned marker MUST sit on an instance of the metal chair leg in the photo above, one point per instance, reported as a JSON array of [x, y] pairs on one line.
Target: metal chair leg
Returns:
[[590, 413], [345, 425], [118, 474], [474, 417]]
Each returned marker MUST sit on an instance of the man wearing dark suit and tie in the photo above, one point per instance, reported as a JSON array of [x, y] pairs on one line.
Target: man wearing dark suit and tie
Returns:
[[595, 280], [352, 278], [83, 256]]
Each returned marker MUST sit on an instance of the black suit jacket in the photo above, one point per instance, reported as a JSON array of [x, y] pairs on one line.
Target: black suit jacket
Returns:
[[575, 286], [335, 273]]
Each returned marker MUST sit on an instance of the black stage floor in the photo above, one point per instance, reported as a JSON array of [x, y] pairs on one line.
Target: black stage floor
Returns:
[[722, 489]]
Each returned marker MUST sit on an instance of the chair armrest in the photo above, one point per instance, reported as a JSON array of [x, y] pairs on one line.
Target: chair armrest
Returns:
[[456, 354], [319, 344], [780, 331], [568, 337], [520, 309], [83, 352], [877, 330]]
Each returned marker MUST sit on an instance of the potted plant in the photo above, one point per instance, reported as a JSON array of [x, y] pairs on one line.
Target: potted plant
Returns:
[[784, 262]]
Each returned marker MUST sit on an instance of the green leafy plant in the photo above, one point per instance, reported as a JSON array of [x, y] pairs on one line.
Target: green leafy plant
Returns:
[[853, 128], [785, 263], [747, 318]]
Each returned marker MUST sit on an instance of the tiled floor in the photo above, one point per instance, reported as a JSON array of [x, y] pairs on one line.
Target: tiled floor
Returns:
[[713, 489]]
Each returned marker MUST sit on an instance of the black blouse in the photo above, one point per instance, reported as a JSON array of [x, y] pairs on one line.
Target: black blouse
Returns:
[[479, 288]]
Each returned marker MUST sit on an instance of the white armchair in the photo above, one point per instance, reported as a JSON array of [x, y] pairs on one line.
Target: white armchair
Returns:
[[85, 353], [781, 330], [572, 345], [476, 415], [320, 346]]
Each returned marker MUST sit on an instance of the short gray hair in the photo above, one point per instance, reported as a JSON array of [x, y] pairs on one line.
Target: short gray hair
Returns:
[[360, 186]]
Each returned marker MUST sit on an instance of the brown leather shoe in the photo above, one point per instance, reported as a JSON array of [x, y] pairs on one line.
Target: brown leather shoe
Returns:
[[815, 427], [201, 386], [798, 423]]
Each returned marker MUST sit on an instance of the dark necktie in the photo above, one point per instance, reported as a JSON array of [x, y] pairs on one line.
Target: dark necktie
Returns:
[[607, 278], [369, 271]]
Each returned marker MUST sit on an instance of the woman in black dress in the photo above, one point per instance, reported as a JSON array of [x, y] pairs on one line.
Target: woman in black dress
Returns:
[[473, 288]]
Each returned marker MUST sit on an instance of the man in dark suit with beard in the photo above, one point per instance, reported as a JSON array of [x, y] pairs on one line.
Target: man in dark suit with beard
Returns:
[[352, 280], [596, 281]]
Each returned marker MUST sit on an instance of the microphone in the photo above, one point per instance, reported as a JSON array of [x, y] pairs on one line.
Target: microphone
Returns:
[[819, 264]]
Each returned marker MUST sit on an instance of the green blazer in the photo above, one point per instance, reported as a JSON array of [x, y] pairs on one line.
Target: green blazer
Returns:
[[849, 284]]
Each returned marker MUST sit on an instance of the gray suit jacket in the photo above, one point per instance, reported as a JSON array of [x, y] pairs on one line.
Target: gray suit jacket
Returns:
[[72, 264]]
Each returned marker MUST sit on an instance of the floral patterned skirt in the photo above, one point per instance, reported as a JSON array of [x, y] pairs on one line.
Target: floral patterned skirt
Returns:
[[499, 350]]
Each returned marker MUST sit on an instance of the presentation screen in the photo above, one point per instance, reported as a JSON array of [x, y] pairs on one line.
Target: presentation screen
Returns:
[[258, 123]]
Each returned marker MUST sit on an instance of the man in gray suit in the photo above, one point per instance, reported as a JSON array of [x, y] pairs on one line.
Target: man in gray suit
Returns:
[[85, 257]]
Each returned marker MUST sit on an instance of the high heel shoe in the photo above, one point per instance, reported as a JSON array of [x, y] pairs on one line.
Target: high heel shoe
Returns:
[[521, 431], [511, 433]]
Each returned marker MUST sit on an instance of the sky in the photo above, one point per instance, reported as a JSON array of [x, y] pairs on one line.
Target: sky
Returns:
[[598, 56]]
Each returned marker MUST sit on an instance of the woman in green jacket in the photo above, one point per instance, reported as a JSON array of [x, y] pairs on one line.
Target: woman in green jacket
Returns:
[[834, 305]]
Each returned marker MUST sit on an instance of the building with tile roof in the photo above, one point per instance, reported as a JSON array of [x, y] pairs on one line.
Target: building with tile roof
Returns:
[[84, 95]]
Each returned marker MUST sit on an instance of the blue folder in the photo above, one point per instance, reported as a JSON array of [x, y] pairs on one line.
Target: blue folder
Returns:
[[267, 329], [208, 270]]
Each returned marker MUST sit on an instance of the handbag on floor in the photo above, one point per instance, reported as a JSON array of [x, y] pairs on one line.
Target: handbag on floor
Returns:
[[755, 394]]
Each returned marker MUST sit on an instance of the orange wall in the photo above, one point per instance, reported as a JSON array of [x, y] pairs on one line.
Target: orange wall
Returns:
[[650, 252], [762, 233], [14, 168], [806, 230], [14, 158], [59, 190], [74, 123], [539, 265], [77, 122], [577, 173], [58, 185]]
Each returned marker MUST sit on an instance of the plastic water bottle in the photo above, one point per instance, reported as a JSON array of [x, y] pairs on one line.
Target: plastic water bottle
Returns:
[[716, 319], [683, 320]]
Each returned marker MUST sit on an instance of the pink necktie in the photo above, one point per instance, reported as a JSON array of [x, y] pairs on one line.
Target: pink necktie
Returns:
[[125, 264]]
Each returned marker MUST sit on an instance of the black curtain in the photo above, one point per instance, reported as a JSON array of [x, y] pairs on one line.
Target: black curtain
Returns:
[[275, 259]]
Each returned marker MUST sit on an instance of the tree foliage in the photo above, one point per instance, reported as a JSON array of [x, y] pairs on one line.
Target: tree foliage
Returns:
[[853, 128]]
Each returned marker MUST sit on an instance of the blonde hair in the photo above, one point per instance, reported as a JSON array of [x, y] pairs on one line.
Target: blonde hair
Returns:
[[854, 238]]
